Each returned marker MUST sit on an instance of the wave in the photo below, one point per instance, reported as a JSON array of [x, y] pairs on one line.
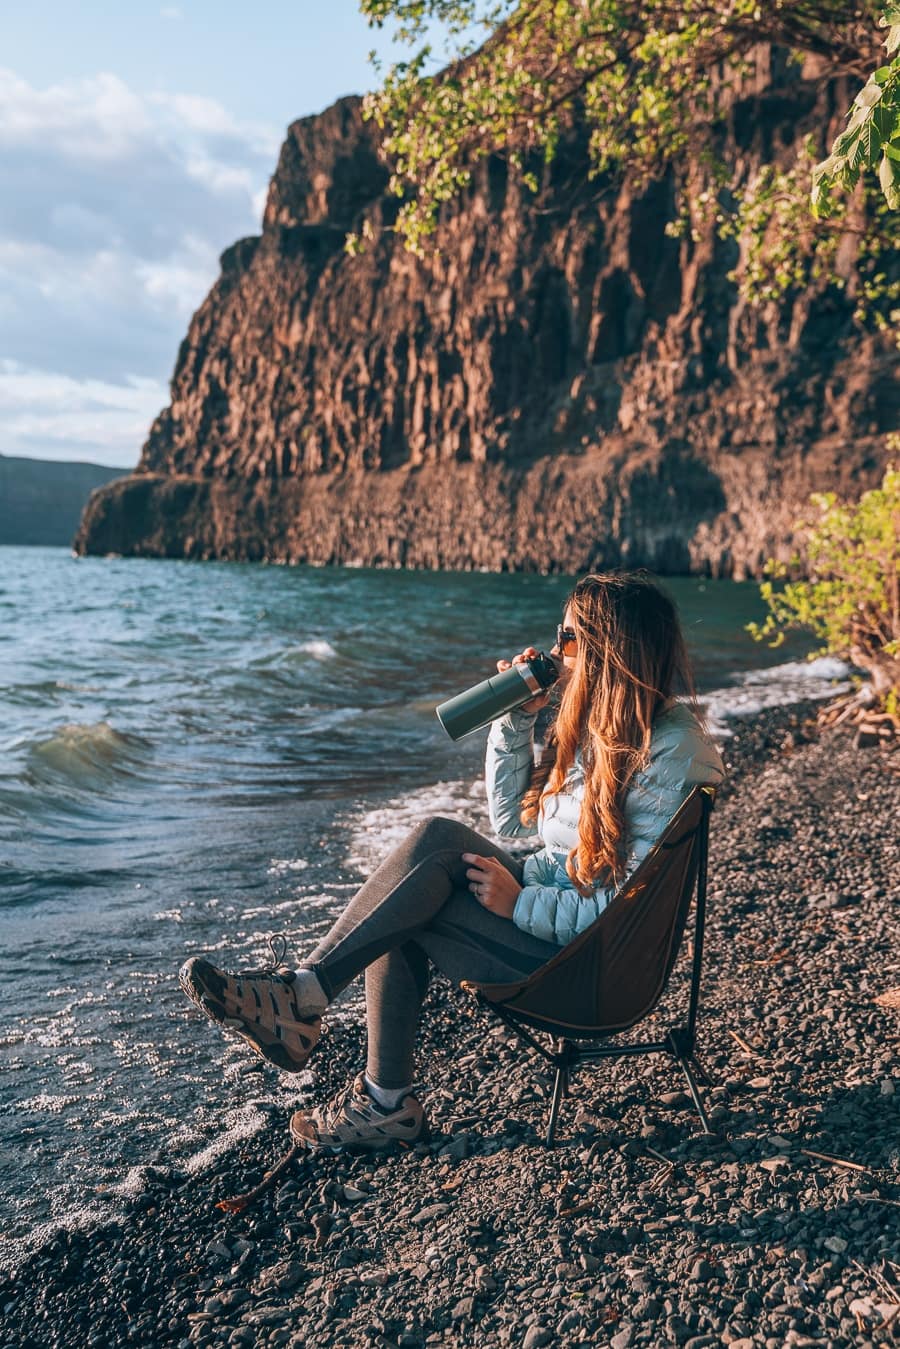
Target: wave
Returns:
[[109, 1203], [778, 686], [313, 719], [237, 1126], [20, 887], [87, 755], [80, 1217], [317, 647]]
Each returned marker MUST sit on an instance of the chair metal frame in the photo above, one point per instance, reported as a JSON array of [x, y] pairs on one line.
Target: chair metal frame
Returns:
[[679, 1041]]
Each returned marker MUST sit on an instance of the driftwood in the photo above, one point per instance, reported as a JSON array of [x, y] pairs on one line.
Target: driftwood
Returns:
[[754, 1053], [857, 709], [837, 1161], [239, 1202]]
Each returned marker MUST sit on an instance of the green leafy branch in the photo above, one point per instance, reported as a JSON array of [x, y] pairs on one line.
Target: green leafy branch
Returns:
[[871, 140], [849, 597], [647, 77]]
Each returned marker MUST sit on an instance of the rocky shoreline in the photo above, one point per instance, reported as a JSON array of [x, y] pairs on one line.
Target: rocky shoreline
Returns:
[[636, 1229]]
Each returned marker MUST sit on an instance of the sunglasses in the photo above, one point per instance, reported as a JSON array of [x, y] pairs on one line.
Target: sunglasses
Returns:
[[566, 641]]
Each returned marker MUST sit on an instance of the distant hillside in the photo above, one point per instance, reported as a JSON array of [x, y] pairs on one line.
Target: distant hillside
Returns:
[[42, 502]]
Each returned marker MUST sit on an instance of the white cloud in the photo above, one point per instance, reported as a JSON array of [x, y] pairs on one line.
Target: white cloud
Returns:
[[194, 112], [49, 416], [98, 117], [114, 208], [179, 283]]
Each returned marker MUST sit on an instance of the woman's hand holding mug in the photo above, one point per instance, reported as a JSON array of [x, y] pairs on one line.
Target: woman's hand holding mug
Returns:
[[534, 704]]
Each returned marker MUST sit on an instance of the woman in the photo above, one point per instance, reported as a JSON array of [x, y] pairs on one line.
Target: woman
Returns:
[[622, 756]]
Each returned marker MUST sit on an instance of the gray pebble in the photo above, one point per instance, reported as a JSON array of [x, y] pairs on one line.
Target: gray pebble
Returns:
[[537, 1336]]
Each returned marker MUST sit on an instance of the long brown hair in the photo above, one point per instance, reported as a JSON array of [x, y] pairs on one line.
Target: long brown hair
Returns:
[[631, 660]]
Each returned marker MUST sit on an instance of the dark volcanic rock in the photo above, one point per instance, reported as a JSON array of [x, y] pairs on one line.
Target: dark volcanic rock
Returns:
[[562, 386]]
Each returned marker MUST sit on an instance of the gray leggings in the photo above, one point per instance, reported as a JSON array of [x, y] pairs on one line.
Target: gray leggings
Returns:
[[417, 908]]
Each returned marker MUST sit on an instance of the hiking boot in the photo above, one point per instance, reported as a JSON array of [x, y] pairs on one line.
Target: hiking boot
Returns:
[[258, 1005], [353, 1121]]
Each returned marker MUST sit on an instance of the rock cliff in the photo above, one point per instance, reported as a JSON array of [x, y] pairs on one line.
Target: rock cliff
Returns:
[[562, 386]]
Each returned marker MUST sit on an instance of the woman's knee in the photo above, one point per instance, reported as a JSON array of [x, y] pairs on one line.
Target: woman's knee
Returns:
[[438, 834]]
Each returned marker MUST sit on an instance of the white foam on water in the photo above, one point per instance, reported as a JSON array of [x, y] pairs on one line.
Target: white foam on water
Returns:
[[45, 1104], [375, 832], [294, 909], [105, 1205], [288, 907], [132, 1185], [237, 1125], [79, 1218], [283, 866], [754, 691], [318, 647]]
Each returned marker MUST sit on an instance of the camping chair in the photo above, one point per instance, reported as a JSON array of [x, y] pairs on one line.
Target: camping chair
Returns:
[[613, 973]]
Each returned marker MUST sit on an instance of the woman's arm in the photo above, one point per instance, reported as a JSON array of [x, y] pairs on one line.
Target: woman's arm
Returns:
[[507, 771], [557, 913], [510, 759]]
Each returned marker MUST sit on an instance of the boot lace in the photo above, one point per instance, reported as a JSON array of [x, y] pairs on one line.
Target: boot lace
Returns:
[[277, 944]]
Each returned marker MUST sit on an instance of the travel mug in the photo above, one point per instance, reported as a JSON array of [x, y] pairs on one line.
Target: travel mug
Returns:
[[482, 703]]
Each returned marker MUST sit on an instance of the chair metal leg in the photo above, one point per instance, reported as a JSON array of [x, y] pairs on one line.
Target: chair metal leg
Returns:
[[695, 1093], [701, 1072], [559, 1087], [563, 1058]]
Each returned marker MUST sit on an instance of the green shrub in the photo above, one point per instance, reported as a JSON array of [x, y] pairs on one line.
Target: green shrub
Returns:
[[848, 593]]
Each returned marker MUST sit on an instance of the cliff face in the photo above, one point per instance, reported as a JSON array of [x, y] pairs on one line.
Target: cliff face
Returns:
[[564, 386]]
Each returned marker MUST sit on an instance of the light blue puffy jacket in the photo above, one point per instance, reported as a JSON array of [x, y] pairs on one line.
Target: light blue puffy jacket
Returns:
[[549, 906]]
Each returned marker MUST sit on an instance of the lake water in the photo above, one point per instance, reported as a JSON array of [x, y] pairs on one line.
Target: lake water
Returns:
[[196, 755]]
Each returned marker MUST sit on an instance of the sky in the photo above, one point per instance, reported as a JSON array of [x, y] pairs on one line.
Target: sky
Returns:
[[136, 143]]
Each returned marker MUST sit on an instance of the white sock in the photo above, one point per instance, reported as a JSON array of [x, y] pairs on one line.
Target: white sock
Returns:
[[388, 1098], [310, 995]]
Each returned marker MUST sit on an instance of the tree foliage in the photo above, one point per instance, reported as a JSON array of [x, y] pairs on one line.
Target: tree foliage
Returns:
[[871, 140], [650, 79], [647, 76], [785, 248], [850, 597]]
